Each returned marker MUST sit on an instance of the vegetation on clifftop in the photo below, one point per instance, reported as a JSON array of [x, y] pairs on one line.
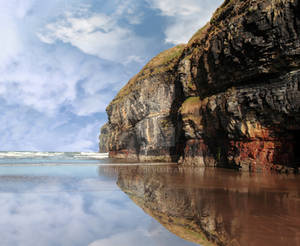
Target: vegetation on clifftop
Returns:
[[230, 97], [163, 62], [200, 33]]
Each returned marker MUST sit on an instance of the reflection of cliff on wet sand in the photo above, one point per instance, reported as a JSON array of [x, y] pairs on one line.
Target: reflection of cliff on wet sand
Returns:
[[218, 207]]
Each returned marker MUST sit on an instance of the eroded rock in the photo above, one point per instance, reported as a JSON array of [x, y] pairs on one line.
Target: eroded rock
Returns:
[[229, 98], [143, 116]]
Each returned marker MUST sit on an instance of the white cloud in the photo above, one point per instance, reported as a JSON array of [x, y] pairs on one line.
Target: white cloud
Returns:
[[61, 62], [25, 129], [10, 40], [84, 140], [46, 85], [184, 17], [16, 8], [12, 12], [95, 34], [28, 75], [22, 7], [43, 86], [176, 7], [47, 81], [129, 10], [91, 104]]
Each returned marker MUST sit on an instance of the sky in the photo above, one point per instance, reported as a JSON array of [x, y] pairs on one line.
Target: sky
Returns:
[[63, 61]]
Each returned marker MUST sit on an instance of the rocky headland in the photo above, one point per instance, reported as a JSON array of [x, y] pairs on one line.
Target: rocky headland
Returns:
[[230, 97]]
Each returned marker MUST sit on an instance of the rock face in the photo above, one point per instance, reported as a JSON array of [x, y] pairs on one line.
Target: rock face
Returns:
[[103, 138], [246, 71], [230, 97], [143, 116]]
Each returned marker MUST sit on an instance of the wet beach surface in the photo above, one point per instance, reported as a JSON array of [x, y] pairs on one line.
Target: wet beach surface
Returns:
[[146, 205]]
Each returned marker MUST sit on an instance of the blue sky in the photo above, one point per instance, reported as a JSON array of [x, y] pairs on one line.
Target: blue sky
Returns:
[[62, 62]]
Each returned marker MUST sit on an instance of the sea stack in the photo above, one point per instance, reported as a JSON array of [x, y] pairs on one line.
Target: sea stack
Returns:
[[228, 98]]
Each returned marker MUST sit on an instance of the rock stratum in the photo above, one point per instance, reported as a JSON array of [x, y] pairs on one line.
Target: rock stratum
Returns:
[[230, 97]]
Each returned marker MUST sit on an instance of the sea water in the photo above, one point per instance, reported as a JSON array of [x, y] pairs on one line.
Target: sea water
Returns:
[[27, 157], [75, 199]]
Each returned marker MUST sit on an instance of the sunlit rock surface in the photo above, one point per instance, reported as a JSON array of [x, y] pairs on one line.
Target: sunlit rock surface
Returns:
[[230, 97], [143, 116]]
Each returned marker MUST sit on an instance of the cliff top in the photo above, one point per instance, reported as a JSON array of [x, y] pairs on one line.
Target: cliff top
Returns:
[[163, 62]]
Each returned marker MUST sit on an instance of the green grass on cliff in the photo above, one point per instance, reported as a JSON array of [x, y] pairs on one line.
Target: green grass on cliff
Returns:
[[200, 33], [222, 11], [190, 104], [163, 62], [217, 16], [191, 100]]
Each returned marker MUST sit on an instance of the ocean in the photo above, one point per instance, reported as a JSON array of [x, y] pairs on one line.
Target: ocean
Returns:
[[30, 157]]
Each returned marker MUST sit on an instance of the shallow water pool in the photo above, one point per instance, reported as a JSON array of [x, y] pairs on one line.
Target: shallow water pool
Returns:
[[146, 205]]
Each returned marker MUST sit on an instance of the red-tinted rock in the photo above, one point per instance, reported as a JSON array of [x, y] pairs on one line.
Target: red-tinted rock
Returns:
[[230, 97]]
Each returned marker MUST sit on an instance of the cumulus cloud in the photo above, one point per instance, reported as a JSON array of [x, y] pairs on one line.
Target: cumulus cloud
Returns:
[[25, 129], [95, 34], [61, 62], [45, 87], [91, 104], [47, 78], [129, 10], [52, 83], [83, 140], [11, 14], [184, 17]]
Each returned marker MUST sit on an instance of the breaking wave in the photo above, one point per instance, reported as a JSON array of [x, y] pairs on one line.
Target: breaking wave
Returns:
[[75, 155], [16, 157]]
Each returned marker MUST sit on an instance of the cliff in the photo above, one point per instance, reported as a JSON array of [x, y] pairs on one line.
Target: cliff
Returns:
[[230, 97], [143, 116], [103, 138]]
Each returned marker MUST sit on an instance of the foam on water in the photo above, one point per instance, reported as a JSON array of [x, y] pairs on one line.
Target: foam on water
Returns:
[[32, 154], [29, 157], [84, 155]]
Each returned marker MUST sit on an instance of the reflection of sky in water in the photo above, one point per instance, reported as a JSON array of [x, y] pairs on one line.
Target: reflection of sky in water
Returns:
[[72, 206]]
